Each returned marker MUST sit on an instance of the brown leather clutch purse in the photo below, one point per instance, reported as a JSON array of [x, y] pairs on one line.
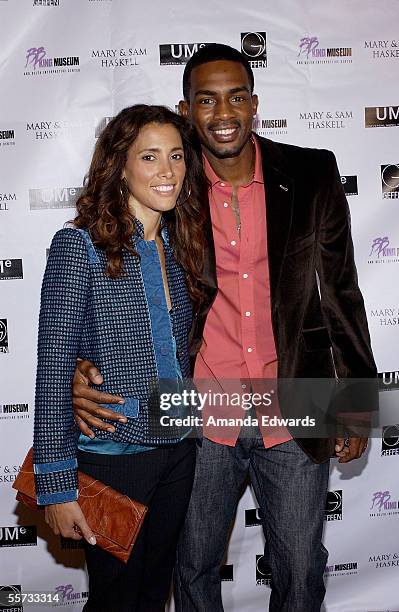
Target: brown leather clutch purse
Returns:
[[114, 518]]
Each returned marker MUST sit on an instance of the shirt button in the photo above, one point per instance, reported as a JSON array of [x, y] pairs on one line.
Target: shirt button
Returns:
[[250, 350], [243, 386], [164, 350], [233, 243], [247, 314], [245, 275], [225, 205]]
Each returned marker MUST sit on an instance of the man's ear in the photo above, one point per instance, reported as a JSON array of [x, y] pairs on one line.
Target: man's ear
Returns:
[[255, 103], [184, 108]]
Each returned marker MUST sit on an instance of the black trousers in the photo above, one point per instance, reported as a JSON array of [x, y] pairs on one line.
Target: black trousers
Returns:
[[161, 479]]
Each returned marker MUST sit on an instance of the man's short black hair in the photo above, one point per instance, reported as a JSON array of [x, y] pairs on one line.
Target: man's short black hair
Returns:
[[213, 53]]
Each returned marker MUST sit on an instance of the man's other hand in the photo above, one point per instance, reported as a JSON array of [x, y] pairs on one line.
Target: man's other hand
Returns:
[[87, 402]]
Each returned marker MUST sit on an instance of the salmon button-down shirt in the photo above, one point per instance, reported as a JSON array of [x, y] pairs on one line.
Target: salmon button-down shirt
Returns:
[[238, 337]]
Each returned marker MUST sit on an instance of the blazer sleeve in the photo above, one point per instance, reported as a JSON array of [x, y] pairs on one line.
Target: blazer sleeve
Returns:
[[62, 313], [342, 302]]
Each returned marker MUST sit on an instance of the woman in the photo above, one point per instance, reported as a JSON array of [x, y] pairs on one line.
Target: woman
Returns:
[[117, 291]]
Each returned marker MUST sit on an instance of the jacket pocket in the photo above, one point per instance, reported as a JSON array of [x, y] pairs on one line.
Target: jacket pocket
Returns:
[[316, 339], [299, 244], [129, 409]]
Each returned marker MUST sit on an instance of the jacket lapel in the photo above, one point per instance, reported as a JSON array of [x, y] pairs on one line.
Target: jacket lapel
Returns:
[[279, 191]]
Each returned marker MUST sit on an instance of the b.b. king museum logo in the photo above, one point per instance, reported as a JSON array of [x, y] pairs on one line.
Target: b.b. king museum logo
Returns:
[[311, 52], [382, 252], [14, 411], [37, 62], [7, 137]]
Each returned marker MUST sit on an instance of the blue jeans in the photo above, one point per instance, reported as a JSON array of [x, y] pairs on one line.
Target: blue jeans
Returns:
[[291, 491]]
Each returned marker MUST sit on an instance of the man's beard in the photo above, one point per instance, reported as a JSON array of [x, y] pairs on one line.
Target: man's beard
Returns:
[[234, 151]]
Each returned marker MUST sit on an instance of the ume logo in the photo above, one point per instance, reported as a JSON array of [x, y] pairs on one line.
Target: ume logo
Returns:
[[18, 536], [56, 197], [382, 116], [178, 53]]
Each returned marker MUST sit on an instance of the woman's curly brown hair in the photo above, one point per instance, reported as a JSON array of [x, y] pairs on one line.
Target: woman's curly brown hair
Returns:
[[103, 206]]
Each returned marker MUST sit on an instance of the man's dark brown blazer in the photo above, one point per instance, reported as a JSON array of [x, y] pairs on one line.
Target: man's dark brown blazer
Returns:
[[317, 335]]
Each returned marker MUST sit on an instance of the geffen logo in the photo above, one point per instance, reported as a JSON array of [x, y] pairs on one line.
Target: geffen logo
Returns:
[[327, 120], [18, 536], [382, 504], [381, 116], [3, 336], [5, 199], [175, 54], [226, 573], [37, 63], [381, 252], [14, 411], [388, 381], [341, 569], [390, 181], [390, 440], [383, 560], [333, 509], [263, 574], [54, 197], [117, 58], [12, 589], [382, 49], [310, 52], [7, 138], [253, 517], [385, 316], [253, 47], [349, 184], [101, 125], [11, 269], [270, 127]]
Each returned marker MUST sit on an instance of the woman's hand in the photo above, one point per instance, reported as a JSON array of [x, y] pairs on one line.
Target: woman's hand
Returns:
[[87, 401], [69, 521]]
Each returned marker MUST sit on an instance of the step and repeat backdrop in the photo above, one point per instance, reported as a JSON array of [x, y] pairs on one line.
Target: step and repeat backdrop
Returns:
[[326, 75]]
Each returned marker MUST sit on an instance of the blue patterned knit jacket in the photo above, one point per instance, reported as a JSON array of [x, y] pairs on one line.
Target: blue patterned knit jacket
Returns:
[[86, 314]]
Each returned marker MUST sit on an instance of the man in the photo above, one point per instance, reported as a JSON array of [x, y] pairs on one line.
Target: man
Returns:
[[263, 314]]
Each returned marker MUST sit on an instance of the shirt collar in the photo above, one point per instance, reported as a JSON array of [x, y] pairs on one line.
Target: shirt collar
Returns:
[[258, 174], [139, 230]]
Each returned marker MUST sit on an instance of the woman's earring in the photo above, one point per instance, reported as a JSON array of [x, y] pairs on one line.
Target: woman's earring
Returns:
[[184, 201], [123, 188]]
